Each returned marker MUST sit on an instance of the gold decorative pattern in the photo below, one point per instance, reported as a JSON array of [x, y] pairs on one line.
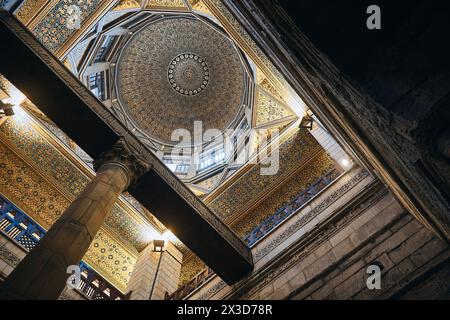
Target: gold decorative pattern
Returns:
[[29, 9], [25, 138], [53, 30], [263, 81], [93, 15], [248, 45], [50, 202], [111, 260], [127, 4], [252, 185], [320, 164], [266, 85], [268, 108], [22, 135], [167, 4], [147, 94], [188, 74], [201, 7], [299, 181], [190, 268], [194, 2], [21, 184], [32, 193]]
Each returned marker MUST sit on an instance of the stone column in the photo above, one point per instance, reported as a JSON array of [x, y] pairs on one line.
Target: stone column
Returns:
[[155, 273], [42, 274]]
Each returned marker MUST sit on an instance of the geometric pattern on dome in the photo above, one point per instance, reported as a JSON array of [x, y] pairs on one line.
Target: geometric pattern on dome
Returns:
[[147, 94], [188, 74]]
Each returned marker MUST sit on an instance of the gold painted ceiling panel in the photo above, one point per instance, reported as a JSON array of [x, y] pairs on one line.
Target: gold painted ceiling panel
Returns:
[[29, 9], [53, 31], [263, 80], [35, 145], [28, 190], [39, 199], [248, 45], [167, 5], [251, 186], [268, 108], [111, 260], [23, 136], [320, 164], [127, 4], [201, 7]]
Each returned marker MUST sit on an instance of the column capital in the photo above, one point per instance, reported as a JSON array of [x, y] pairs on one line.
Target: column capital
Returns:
[[123, 155]]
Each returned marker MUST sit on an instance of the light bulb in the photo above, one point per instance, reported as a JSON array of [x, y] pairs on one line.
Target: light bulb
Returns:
[[345, 162]]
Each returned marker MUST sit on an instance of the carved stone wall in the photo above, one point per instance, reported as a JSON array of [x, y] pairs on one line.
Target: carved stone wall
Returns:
[[363, 225], [335, 265], [367, 88]]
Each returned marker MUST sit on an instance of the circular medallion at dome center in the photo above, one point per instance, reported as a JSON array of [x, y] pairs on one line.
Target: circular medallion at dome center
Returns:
[[188, 74]]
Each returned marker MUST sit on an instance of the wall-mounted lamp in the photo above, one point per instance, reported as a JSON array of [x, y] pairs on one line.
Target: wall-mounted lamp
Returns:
[[159, 245], [6, 109], [346, 163], [307, 122]]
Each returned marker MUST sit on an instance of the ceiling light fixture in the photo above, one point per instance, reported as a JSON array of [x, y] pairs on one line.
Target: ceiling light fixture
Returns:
[[345, 162]]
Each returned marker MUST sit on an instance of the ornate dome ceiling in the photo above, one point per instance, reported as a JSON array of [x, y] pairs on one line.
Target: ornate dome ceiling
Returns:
[[178, 70]]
